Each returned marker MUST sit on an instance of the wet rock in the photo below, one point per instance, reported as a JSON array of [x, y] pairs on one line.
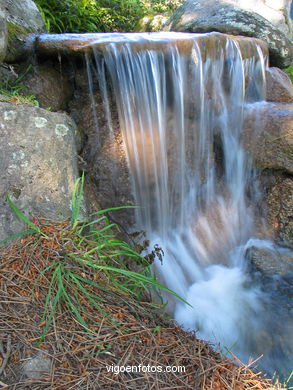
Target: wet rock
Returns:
[[268, 135], [51, 88], [22, 18], [38, 366], [271, 267], [227, 17], [268, 138], [272, 261], [275, 267], [279, 86], [38, 164]]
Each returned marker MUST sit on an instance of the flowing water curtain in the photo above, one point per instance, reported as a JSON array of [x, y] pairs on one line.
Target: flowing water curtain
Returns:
[[181, 105], [181, 114], [173, 109]]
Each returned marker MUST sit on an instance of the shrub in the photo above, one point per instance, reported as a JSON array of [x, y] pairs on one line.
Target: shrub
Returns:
[[90, 15], [79, 16]]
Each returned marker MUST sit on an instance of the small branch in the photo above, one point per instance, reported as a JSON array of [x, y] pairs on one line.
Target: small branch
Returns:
[[5, 354]]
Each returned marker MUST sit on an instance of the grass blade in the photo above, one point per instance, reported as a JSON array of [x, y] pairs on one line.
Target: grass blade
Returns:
[[17, 235]]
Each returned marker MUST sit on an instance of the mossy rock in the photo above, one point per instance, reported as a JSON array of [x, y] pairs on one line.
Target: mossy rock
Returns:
[[23, 18], [3, 35], [16, 39]]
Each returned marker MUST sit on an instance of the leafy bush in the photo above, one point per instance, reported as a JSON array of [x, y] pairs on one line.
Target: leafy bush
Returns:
[[99, 15], [89, 15]]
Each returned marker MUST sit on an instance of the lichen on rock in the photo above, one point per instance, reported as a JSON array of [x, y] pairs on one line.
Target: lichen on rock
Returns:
[[41, 165]]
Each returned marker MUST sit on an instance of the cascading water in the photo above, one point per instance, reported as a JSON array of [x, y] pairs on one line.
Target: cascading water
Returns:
[[181, 100]]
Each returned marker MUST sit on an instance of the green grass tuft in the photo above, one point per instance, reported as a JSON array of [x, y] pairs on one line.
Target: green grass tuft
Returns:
[[92, 261]]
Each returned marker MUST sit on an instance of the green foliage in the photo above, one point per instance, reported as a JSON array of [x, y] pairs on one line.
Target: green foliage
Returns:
[[160, 6], [99, 15], [289, 70], [92, 261], [89, 15], [13, 92]]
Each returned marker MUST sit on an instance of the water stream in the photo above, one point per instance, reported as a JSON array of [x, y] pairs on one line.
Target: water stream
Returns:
[[181, 100]]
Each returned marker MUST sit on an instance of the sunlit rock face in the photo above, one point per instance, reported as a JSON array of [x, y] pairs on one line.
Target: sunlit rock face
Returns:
[[277, 12], [233, 17], [38, 164]]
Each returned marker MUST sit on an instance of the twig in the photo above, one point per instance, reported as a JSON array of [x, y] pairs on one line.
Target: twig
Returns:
[[5, 354]]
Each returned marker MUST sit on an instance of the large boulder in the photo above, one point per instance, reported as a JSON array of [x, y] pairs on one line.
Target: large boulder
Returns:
[[22, 18], [38, 164], [227, 17]]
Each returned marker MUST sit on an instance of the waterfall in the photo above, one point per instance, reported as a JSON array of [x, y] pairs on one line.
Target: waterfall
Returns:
[[181, 100]]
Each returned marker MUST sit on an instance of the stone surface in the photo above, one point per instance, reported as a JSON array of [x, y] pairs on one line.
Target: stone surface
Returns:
[[3, 34], [278, 201], [38, 366], [272, 266], [268, 135], [22, 18], [225, 16], [277, 12], [38, 164], [272, 260], [279, 86], [268, 138], [108, 183], [51, 88], [8, 75]]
